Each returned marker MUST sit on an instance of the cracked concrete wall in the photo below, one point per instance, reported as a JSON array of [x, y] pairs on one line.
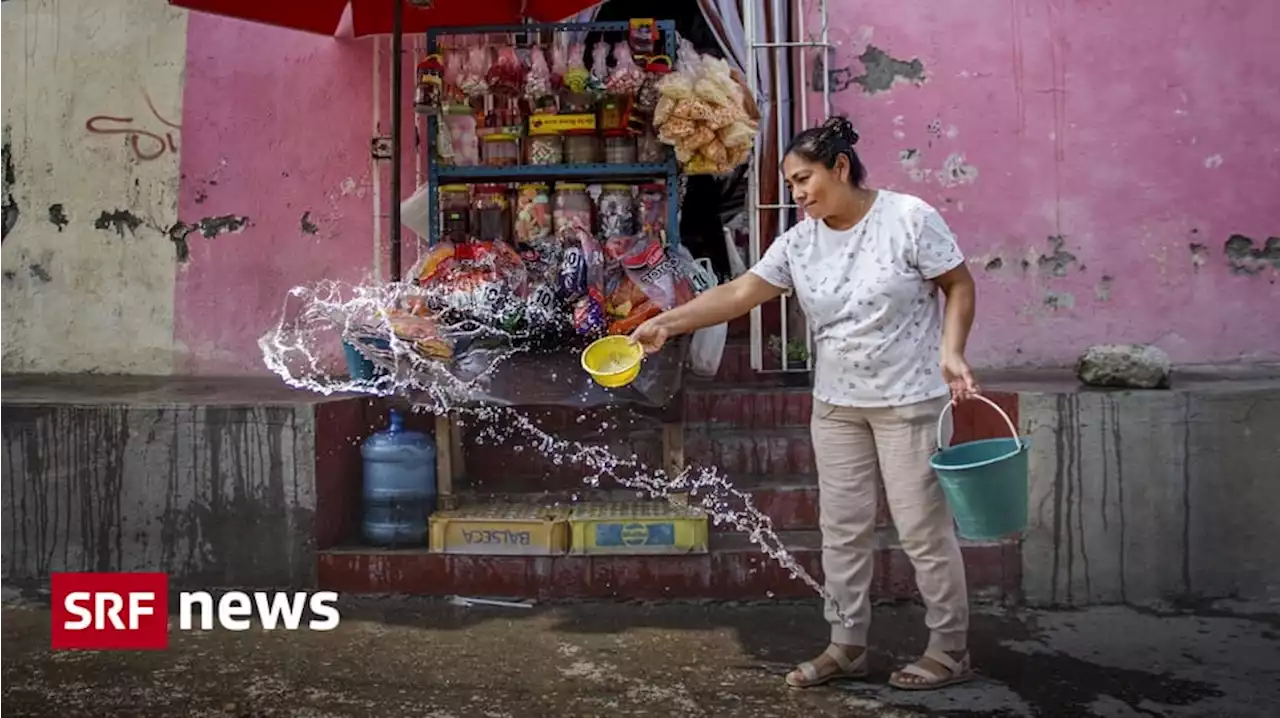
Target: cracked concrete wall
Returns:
[[1097, 164], [212, 495], [92, 96], [1150, 497], [135, 246]]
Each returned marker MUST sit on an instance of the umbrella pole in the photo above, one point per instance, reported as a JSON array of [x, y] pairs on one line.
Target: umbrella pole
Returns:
[[397, 70]]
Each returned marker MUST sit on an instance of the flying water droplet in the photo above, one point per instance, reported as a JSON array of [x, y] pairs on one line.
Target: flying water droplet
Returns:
[[301, 350]]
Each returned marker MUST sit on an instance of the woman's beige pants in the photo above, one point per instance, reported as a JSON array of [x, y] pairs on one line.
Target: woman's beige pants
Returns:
[[853, 448]]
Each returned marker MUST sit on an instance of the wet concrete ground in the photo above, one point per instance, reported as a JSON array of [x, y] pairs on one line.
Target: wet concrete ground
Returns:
[[396, 656]]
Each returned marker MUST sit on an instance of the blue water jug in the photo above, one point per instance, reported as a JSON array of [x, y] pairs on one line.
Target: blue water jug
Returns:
[[399, 485]]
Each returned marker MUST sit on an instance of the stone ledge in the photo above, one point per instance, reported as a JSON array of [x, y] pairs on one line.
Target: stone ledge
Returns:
[[100, 389]]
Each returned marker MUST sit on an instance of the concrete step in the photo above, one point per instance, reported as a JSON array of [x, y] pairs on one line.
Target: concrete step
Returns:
[[747, 407], [733, 569], [752, 437]]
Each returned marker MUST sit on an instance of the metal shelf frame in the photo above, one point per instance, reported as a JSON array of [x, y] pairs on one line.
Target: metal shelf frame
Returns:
[[438, 174]]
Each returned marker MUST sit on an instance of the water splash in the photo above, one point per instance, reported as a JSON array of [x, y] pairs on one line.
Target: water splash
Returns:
[[315, 320]]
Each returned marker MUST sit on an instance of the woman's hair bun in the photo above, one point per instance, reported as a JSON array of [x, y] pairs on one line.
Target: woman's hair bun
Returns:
[[842, 128]]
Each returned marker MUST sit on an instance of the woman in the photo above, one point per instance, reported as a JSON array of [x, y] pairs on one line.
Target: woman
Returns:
[[865, 265]]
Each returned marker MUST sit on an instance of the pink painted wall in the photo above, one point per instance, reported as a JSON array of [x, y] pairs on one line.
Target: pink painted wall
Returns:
[[276, 124], [1137, 132], [1144, 134]]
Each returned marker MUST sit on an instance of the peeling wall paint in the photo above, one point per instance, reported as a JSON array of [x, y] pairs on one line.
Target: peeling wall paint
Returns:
[[1095, 167], [880, 71], [89, 275], [1245, 258], [135, 246], [9, 212]]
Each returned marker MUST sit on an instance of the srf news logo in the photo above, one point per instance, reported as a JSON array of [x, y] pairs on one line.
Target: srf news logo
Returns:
[[130, 611]]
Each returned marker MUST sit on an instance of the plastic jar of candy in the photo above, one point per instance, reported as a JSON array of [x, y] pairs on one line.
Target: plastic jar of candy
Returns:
[[649, 148], [615, 113], [500, 150], [616, 211], [572, 209], [653, 209], [457, 143], [491, 213], [581, 148], [543, 150], [455, 212], [620, 149], [533, 212], [576, 103]]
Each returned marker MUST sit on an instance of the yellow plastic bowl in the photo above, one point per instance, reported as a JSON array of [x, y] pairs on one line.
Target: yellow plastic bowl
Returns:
[[613, 361]]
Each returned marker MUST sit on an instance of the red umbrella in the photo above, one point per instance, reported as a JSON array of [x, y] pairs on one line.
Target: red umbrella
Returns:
[[376, 17]]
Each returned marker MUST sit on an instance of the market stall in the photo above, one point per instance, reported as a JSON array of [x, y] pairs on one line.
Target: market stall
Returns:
[[554, 157]]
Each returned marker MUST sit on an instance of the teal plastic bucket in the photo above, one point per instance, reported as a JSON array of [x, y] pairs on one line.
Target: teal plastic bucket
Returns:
[[358, 367], [985, 481]]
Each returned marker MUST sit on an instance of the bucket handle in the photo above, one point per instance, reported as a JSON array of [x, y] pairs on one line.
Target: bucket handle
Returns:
[[1012, 429]]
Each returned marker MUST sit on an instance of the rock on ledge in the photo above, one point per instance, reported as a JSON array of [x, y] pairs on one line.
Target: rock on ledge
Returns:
[[1132, 366]]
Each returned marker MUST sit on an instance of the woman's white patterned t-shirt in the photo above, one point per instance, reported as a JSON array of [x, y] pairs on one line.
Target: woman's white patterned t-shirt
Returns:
[[871, 304]]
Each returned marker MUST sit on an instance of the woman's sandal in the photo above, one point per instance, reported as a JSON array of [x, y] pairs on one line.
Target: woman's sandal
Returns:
[[956, 672], [846, 668]]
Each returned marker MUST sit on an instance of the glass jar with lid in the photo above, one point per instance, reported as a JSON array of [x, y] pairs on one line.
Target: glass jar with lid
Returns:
[[653, 210], [533, 212], [491, 213], [576, 103], [649, 148], [615, 113], [543, 150], [581, 147], [619, 149], [617, 211], [500, 150], [455, 212], [572, 209]]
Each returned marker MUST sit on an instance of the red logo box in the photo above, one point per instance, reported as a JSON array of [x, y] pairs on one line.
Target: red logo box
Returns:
[[110, 611]]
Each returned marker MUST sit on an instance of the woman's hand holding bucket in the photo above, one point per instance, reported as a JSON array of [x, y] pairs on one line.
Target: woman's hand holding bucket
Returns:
[[958, 375]]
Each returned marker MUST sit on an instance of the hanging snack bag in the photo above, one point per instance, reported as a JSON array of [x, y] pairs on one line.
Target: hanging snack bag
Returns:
[[629, 307], [506, 75], [454, 61], [575, 74], [473, 81], [660, 274], [572, 280], [559, 60], [422, 332], [588, 313], [599, 67], [434, 264], [542, 309], [648, 95], [537, 84], [626, 77]]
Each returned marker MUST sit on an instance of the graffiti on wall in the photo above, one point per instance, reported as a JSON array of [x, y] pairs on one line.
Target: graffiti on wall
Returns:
[[146, 144]]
